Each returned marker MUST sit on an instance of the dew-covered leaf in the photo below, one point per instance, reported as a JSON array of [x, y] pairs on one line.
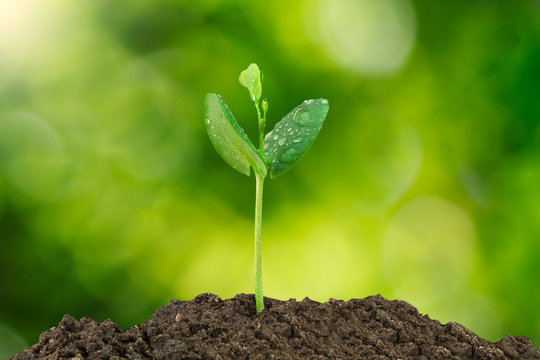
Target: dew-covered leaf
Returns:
[[251, 78], [229, 139], [293, 135]]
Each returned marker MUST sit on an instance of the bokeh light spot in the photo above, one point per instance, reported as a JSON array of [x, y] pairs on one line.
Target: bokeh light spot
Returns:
[[20, 21], [428, 249], [383, 156], [222, 266], [151, 135], [471, 309], [32, 155], [388, 155], [368, 37], [310, 251]]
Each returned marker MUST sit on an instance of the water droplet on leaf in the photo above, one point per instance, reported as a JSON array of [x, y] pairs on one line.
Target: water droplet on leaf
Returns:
[[282, 141], [290, 155], [302, 117]]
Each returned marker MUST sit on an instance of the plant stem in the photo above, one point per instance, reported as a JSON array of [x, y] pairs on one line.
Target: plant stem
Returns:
[[258, 234], [261, 128], [259, 300]]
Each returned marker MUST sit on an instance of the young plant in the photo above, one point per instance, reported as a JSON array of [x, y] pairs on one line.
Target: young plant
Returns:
[[280, 149]]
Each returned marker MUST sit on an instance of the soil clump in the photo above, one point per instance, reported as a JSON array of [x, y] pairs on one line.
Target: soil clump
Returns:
[[208, 327]]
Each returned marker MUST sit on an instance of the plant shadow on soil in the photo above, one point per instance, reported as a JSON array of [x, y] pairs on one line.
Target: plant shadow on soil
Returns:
[[208, 327]]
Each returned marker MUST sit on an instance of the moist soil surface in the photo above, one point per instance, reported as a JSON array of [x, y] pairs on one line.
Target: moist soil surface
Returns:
[[208, 327]]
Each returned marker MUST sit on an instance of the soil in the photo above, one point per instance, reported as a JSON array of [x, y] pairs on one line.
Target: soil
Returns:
[[208, 327]]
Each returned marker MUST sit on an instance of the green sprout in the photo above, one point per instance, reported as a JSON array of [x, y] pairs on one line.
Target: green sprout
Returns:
[[280, 149]]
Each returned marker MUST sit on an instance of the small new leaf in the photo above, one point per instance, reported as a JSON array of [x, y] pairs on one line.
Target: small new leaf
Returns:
[[251, 79], [293, 135], [229, 139]]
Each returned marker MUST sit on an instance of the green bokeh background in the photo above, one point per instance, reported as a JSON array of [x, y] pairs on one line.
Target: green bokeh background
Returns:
[[424, 184]]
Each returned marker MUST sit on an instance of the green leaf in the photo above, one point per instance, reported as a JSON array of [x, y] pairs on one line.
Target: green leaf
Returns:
[[229, 139], [251, 78], [293, 135]]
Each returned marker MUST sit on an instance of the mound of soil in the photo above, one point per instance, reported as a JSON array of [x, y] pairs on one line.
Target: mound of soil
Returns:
[[208, 327]]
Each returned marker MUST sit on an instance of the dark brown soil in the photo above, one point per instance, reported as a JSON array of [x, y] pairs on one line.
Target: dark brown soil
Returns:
[[210, 328]]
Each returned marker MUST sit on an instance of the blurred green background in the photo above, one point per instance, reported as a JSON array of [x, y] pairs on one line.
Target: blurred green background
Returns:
[[424, 184]]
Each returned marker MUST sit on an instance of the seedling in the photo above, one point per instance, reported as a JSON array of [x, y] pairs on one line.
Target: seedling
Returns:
[[280, 149]]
